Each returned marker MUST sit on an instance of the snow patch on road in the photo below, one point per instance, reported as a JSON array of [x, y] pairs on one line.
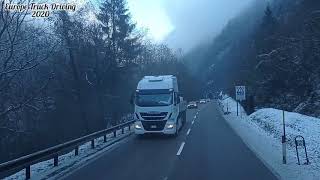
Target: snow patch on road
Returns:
[[262, 132]]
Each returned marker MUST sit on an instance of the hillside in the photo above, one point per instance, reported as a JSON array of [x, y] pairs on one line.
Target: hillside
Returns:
[[272, 48]]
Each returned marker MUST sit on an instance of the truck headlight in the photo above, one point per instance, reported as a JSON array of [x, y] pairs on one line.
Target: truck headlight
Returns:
[[137, 126], [170, 125]]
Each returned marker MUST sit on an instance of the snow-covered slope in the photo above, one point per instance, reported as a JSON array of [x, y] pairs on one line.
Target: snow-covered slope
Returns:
[[296, 124], [262, 132]]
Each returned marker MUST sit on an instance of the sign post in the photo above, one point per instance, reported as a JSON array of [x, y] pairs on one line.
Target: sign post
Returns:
[[237, 108], [284, 149], [240, 95]]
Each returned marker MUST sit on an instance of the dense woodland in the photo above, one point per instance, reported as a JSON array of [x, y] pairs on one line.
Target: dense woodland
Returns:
[[272, 47], [73, 74]]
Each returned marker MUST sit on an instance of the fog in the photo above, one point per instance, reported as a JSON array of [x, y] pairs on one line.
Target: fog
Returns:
[[197, 21]]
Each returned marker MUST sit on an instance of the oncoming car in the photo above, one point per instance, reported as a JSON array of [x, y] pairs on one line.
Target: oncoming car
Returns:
[[202, 101], [192, 105]]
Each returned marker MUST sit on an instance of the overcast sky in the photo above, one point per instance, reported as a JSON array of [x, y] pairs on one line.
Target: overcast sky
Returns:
[[152, 15], [184, 23]]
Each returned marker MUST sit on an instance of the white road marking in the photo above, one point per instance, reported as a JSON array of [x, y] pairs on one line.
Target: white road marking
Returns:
[[180, 149], [195, 116], [192, 122], [188, 131]]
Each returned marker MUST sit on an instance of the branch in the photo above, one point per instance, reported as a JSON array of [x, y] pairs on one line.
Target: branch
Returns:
[[33, 107], [24, 67], [12, 37], [26, 101], [11, 130], [89, 82], [269, 54]]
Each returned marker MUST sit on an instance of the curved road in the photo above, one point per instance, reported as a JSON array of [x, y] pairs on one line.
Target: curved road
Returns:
[[206, 148]]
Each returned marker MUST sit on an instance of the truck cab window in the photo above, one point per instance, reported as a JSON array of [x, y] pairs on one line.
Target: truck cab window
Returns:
[[145, 100]]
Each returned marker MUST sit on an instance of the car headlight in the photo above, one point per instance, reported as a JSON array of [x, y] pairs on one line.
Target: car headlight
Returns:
[[137, 126]]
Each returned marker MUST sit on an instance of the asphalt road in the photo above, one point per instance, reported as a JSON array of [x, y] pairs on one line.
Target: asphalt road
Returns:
[[206, 148]]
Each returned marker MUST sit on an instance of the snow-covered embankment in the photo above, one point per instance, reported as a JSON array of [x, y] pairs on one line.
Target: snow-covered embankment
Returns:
[[262, 132]]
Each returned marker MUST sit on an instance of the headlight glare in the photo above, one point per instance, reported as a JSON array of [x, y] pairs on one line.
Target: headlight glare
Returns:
[[137, 126], [170, 126]]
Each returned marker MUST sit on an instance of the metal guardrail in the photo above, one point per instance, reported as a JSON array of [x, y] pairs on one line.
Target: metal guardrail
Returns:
[[13, 166]]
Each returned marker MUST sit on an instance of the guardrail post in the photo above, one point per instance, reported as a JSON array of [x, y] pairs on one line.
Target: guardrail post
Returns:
[[55, 160], [105, 138], [28, 172], [76, 151], [92, 143], [115, 133]]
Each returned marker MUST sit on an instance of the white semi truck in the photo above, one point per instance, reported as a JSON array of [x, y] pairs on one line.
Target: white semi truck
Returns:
[[158, 108]]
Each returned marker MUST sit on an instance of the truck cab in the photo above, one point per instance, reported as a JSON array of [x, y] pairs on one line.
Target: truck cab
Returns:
[[158, 108]]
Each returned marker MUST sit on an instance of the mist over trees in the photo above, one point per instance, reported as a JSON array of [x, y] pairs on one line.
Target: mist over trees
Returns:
[[67, 76], [198, 21], [273, 49]]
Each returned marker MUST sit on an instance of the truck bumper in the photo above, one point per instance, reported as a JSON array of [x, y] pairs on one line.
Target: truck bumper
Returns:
[[138, 129]]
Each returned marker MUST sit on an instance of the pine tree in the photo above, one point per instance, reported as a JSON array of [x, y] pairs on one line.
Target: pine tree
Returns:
[[269, 22], [266, 34], [116, 24]]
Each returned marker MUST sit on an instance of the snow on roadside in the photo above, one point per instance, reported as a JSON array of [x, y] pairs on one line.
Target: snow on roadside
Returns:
[[45, 169], [262, 132]]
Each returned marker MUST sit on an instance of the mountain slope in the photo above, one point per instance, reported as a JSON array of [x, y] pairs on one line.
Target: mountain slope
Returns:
[[273, 48]]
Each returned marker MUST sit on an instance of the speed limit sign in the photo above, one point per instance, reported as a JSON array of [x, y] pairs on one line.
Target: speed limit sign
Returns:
[[240, 93]]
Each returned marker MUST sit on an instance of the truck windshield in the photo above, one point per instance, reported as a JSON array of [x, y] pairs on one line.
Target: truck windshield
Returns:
[[147, 100]]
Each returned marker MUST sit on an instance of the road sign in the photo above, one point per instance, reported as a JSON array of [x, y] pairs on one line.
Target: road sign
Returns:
[[240, 93]]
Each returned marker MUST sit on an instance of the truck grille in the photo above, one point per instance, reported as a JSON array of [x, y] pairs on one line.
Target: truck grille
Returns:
[[154, 116], [154, 125]]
